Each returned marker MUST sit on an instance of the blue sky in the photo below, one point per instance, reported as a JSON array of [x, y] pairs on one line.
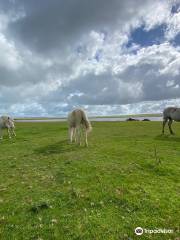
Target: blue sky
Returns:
[[109, 57], [146, 38]]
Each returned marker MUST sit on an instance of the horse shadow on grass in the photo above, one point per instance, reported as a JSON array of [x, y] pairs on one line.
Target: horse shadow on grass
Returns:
[[169, 138], [56, 148]]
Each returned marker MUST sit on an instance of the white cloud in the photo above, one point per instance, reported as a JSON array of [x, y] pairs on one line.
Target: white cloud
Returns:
[[158, 13], [95, 66], [10, 57], [135, 108], [27, 110], [173, 26]]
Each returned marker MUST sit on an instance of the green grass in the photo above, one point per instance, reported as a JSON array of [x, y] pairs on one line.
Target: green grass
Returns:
[[50, 189]]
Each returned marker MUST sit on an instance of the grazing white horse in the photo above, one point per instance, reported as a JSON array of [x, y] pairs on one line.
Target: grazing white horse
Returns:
[[78, 121], [170, 114], [8, 123]]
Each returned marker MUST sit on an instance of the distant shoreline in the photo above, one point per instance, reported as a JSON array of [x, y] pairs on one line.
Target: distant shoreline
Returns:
[[97, 119], [93, 117]]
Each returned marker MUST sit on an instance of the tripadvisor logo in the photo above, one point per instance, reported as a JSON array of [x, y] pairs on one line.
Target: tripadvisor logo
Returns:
[[138, 231]]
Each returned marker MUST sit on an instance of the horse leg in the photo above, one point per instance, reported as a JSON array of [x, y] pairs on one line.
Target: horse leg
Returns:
[[74, 134], [164, 123], [1, 134], [13, 132], [169, 124], [79, 135], [71, 134], [86, 141], [9, 132]]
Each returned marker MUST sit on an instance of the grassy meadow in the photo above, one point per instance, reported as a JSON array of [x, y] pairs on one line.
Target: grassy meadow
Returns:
[[128, 177]]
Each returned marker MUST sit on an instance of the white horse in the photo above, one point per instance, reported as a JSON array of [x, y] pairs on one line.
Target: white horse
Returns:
[[170, 114], [78, 122], [8, 123]]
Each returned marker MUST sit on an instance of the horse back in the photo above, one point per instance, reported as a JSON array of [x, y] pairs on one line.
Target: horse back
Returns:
[[172, 113]]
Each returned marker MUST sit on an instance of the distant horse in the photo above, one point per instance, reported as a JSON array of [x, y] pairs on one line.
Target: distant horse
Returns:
[[170, 114], [78, 122], [8, 123]]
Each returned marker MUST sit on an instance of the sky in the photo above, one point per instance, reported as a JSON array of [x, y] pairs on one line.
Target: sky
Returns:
[[108, 57]]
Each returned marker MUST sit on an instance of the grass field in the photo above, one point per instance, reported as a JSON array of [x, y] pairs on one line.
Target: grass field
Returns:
[[127, 177]]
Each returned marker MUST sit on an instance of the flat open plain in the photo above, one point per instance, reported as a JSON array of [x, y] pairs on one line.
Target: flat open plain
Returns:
[[127, 177]]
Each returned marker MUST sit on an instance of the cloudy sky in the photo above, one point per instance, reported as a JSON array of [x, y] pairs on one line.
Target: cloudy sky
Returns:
[[107, 56]]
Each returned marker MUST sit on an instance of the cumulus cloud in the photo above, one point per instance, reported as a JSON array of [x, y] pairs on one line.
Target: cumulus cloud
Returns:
[[58, 55]]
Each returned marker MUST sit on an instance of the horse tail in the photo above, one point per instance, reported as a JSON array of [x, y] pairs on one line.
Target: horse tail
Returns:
[[167, 113], [164, 114], [86, 122]]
